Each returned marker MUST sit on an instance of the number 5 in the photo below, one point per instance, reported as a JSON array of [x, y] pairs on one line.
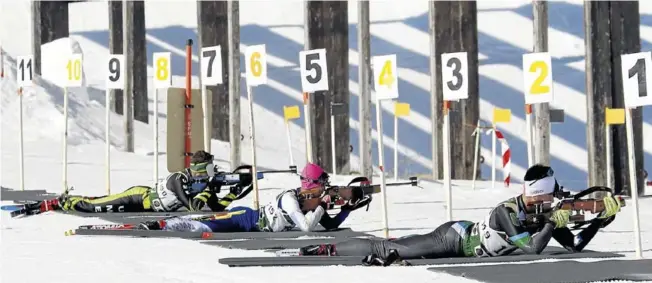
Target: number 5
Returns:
[[312, 65], [314, 72]]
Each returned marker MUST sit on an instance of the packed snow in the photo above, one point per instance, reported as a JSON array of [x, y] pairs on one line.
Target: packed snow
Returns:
[[35, 249]]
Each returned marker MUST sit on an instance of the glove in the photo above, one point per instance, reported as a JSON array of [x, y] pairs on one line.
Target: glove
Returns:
[[560, 217], [235, 190], [352, 204], [326, 202], [611, 207], [200, 200]]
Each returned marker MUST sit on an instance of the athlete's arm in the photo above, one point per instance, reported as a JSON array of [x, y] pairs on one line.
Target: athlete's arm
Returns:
[[329, 222], [307, 222], [175, 184], [576, 243], [507, 220]]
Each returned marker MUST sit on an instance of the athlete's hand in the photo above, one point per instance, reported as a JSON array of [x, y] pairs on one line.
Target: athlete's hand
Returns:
[[611, 207], [355, 204], [560, 217], [326, 202]]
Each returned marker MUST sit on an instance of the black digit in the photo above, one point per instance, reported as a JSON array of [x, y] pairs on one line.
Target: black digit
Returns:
[[23, 69], [310, 65], [114, 68], [639, 69], [211, 54], [456, 72]]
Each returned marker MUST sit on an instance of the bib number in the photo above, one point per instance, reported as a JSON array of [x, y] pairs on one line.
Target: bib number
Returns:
[[164, 200]]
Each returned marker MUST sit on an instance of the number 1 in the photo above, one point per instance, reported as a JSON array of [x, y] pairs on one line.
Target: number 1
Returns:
[[639, 70]]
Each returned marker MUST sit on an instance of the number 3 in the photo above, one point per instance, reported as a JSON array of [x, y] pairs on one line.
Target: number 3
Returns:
[[456, 73], [536, 87]]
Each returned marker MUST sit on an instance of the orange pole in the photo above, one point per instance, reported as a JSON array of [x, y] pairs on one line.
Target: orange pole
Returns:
[[528, 108], [188, 105]]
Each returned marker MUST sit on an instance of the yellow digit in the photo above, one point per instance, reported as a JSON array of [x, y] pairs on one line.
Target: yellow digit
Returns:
[[386, 76], [69, 68], [254, 64], [162, 69], [537, 88], [74, 70]]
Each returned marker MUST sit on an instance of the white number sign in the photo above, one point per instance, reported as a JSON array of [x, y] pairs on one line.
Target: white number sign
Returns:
[[636, 75], [74, 71], [211, 65], [256, 60], [385, 77], [115, 72], [454, 74], [162, 70], [25, 72], [537, 78], [314, 73]]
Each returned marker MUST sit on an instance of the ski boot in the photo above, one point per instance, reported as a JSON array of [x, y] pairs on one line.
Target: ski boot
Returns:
[[392, 258], [323, 250]]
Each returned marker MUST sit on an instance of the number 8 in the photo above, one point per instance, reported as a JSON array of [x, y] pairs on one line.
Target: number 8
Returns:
[[162, 69]]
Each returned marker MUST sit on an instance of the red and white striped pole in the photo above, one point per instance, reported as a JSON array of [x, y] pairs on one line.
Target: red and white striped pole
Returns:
[[506, 157]]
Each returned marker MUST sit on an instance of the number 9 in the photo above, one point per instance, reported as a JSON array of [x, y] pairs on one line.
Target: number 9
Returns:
[[114, 69]]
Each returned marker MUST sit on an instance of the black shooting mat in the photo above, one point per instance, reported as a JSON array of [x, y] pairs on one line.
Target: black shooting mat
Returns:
[[549, 253], [26, 195], [270, 244], [557, 271], [345, 232]]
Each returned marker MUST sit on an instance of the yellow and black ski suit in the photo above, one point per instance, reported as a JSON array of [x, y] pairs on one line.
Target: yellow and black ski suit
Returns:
[[168, 196]]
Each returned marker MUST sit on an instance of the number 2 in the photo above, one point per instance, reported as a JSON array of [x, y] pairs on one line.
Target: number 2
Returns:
[[22, 66], [310, 65], [536, 87], [114, 69], [456, 73], [211, 54], [639, 70]]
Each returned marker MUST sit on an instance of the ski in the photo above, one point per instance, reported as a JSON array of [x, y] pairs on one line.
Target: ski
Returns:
[[12, 207], [288, 252], [36, 208]]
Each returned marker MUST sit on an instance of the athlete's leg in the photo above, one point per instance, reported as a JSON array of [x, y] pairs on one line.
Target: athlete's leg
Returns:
[[134, 199], [439, 243], [238, 219]]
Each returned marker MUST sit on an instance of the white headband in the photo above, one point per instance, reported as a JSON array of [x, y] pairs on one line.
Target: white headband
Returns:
[[540, 187]]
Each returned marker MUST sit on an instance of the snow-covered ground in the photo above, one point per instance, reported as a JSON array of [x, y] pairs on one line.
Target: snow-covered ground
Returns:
[[35, 249]]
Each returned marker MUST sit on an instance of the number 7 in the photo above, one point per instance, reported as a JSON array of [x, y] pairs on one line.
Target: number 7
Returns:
[[211, 54]]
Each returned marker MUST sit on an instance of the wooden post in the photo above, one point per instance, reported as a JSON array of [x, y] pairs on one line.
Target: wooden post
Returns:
[[625, 38], [213, 30], [115, 47], [49, 23], [455, 26], [541, 110], [364, 67], [598, 86], [138, 47], [127, 24], [328, 28], [234, 81], [436, 96]]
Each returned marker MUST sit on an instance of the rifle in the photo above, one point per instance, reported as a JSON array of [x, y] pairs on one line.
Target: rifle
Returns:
[[341, 194], [579, 207], [244, 178]]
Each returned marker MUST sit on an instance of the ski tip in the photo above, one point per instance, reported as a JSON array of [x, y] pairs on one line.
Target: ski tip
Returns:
[[70, 232]]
